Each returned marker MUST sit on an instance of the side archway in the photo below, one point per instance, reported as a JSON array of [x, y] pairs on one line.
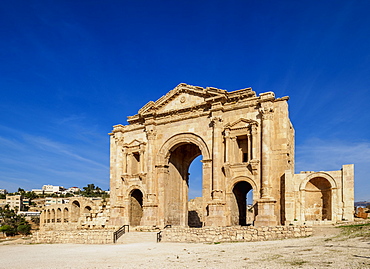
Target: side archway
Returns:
[[240, 212], [317, 192], [136, 207]]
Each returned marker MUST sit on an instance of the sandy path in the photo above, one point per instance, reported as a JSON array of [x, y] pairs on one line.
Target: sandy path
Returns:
[[319, 251]]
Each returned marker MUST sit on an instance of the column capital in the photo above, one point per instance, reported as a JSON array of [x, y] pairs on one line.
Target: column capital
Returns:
[[266, 111]]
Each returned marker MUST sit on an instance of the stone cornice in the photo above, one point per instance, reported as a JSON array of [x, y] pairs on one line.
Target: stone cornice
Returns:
[[214, 100]]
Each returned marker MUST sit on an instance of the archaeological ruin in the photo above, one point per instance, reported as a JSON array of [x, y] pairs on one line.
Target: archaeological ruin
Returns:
[[246, 144]]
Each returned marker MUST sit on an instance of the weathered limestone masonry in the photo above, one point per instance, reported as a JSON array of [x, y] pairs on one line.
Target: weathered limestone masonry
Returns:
[[81, 221], [78, 213], [74, 237], [233, 234], [247, 144]]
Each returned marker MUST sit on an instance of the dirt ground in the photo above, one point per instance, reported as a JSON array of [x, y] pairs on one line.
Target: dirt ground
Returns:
[[327, 248]]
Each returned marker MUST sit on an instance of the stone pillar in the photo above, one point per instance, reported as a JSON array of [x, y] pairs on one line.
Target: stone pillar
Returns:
[[227, 146], [162, 176], [129, 163], [150, 183], [348, 175], [250, 147], [217, 156], [116, 170], [142, 160], [266, 125], [215, 209], [233, 150], [266, 205], [254, 136], [124, 161], [150, 207]]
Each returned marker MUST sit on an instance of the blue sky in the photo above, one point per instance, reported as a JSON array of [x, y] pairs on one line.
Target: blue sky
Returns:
[[70, 70]]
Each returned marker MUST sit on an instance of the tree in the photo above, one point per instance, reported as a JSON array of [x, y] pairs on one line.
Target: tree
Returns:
[[10, 222], [7, 230], [91, 191], [24, 229]]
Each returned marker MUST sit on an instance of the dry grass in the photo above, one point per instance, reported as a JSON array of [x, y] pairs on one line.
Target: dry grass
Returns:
[[355, 230]]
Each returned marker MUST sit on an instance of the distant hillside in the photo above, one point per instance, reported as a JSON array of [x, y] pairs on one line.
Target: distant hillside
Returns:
[[362, 203]]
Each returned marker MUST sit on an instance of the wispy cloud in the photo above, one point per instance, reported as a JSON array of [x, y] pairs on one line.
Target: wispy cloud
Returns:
[[29, 161], [59, 149]]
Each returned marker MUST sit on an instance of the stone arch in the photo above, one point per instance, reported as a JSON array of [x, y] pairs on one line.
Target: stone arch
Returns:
[[135, 187], [174, 159], [235, 180], [178, 139], [65, 214], [318, 174], [47, 215], [317, 193], [135, 207], [59, 215], [87, 209], [52, 217], [75, 211], [238, 189]]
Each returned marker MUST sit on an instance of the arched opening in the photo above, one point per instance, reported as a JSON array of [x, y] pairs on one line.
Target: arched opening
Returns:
[[65, 214], [241, 205], [195, 202], [318, 196], [75, 211], [48, 216], [177, 211], [52, 215], [87, 210], [59, 215], [136, 207]]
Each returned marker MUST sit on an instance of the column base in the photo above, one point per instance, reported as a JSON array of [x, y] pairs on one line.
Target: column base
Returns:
[[266, 213], [117, 217], [150, 215], [216, 215]]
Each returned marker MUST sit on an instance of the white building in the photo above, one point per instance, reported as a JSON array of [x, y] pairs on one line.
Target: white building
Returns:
[[49, 189], [3, 191]]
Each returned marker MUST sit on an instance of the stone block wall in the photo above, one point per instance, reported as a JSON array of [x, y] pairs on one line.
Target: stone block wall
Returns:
[[233, 234], [74, 237]]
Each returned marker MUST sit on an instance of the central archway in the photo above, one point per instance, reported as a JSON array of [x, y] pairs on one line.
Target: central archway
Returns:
[[178, 153]]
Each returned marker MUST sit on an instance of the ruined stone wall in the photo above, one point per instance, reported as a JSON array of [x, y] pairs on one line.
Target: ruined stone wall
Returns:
[[80, 212], [74, 237], [325, 196], [195, 217], [232, 234]]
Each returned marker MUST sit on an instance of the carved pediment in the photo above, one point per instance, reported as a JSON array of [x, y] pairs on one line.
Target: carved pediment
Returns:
[[187, 97], [182, 97], [240, 124], [134, 143]]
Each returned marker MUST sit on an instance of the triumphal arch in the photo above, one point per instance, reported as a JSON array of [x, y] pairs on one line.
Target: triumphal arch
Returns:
[[246, 142]]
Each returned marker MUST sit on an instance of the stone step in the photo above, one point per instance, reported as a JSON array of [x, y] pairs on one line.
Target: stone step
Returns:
[[137, 237]]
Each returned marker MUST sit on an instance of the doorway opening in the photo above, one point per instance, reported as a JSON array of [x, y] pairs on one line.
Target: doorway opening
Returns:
[[242, 204], [136, 207]]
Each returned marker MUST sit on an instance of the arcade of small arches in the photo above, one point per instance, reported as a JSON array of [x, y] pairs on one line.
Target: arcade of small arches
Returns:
[[78, 212]]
